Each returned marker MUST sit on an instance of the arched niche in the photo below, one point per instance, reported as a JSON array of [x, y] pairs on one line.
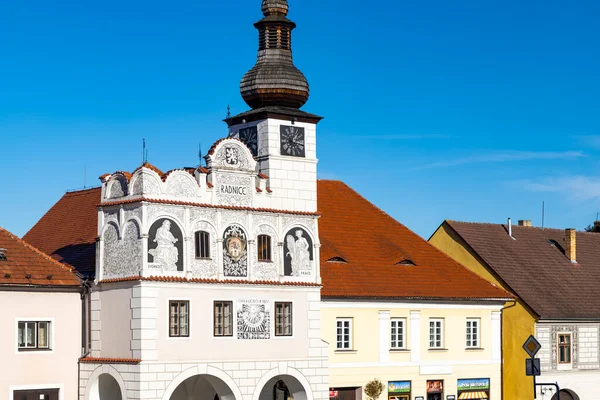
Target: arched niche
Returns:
[[165, 245], [298, 252]]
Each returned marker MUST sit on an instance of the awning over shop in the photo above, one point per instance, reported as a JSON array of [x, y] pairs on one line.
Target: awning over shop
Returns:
[[473, 395]]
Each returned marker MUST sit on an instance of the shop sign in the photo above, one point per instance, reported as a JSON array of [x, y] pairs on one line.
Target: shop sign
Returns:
[[451, 397], [333, 394], [419, 398], [435, 386], [399, 387], [473, 384]]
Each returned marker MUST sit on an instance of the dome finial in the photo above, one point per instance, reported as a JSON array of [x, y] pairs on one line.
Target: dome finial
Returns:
[[274, 7], [274, 80]]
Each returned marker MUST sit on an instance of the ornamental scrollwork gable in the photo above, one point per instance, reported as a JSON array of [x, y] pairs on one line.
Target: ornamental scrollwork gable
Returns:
[[133, 213], [204, 267], [231, 154], [264, 219], [122, 257], [268, 271], [146, 182], [181, 184], [118, 186], [165, 246]]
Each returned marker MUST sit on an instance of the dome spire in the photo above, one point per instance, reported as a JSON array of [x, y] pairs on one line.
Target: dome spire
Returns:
[[274, 80]]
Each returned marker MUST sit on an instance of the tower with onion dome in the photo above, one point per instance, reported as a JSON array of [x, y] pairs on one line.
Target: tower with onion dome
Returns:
[[281, 136]]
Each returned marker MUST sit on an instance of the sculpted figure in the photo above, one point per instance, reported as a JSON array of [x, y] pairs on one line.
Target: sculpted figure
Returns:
[[298, 252], [165, 254]]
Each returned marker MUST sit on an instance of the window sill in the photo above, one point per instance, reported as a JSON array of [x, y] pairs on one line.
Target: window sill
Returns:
[[474, 349], [346, 351], [203, 259], [436, 349], [399, 350], [34, 350], [266, 261]]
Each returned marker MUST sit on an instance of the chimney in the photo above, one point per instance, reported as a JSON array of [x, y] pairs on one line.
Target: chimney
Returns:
[[525, 222], [509, 227], [596, 226], [571, 245]]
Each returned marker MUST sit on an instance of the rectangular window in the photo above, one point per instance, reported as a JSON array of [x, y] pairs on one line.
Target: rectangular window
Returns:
[[34, 335], [436, 333], [264, 248], [473, 333], [179, 318], [202, 244], [564, 349], [283, 319], [223, 318], [397, 328], [344, 334]]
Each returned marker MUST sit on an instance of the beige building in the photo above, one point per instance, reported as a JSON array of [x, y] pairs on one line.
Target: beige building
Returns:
[[397, 309], [41, 317]]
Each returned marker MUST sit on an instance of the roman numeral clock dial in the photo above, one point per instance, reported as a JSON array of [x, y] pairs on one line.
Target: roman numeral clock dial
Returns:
[[292, 141]]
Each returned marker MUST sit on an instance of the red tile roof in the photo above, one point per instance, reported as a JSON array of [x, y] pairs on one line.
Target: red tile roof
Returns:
[[68, 230], [536, 269], [26, 265], [175, 279], [372, 243]]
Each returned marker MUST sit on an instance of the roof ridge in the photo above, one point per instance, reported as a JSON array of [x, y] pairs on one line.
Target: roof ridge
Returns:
[[39, 252]]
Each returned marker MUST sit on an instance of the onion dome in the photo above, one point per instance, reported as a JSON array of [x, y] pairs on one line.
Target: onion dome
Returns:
[[274, 80]]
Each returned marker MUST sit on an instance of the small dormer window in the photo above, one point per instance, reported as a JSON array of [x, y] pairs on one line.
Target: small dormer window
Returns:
[[337, 260], [3, 256], [406, 262]]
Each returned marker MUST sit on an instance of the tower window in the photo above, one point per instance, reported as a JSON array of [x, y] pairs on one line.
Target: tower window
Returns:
[[264, 248], [202, 244]]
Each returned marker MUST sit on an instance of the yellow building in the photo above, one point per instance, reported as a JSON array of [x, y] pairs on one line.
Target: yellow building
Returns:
[[554, 274], [397, 309]]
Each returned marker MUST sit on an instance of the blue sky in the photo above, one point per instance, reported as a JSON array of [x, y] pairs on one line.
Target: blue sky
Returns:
[[433, 110]]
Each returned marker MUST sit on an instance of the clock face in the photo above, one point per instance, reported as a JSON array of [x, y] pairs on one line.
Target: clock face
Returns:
[[292, 141], [250, 137]]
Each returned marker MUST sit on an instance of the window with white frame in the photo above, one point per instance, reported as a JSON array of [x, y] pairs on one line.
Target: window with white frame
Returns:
[[34, 335], [473, 332], [436, 333], [283, 319], [179, 318], [223, 318], [397, 332], [564, 348], [344, 334]]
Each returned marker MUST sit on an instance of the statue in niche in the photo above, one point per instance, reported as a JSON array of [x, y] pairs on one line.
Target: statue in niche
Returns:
[[298, 250], [165, 253]]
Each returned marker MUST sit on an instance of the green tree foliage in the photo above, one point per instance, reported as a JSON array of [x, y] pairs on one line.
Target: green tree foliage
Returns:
[[593, 228], [374, 389]]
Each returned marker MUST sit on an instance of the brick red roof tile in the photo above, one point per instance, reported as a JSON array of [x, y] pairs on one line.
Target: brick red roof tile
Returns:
[[176, 279], [372, 243], [534, 266], [26, 265], [68, 230]]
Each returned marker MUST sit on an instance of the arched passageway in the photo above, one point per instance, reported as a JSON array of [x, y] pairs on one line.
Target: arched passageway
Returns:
[[203, 387], [105, 387], [283, 387]]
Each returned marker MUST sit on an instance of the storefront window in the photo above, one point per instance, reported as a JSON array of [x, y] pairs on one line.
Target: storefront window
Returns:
[[473, 389], [399, 390], [435, 390]]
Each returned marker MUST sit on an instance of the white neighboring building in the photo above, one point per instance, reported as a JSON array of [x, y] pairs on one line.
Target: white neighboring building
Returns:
[[41, 324], [207, 280]]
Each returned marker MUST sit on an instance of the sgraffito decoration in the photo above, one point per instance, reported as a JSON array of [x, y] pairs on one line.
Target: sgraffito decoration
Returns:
[[235, 252], [165, 246], [253, 319], [298, 251]]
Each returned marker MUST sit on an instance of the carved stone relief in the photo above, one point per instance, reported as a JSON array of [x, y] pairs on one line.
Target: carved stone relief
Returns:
[[233, 189], [232, 155], [237, 217], [122, 258], [165, 246], [204, 268], [253, 319], [206, 214], [181, 186], [264, 219], [235, 252], [309, 222], [298, 253]]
